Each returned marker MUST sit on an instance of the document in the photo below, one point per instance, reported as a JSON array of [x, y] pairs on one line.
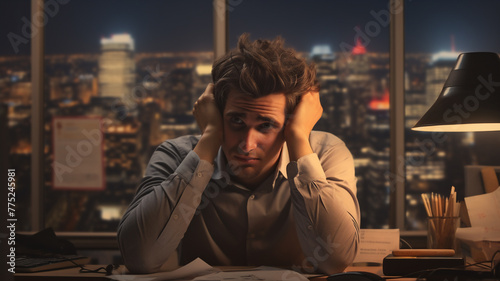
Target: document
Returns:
[[199, 270], [484, 210], [78, 154], [262, 273], [196, 268], [376, 244], [484, 233]]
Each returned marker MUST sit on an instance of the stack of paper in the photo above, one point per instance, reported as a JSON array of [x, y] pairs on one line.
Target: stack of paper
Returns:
[[196, 268], [484, 214], [199, 270]]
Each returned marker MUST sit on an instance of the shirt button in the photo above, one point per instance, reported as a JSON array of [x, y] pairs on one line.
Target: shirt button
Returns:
[[310, 227], [252, 196], [175, 217], [199, 174]]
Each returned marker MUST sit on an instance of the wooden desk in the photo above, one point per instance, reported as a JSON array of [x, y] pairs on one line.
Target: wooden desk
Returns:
[[74, 274], [66, 274]]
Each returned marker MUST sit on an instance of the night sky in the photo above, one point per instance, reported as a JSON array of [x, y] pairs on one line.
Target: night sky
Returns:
[[186, 25]]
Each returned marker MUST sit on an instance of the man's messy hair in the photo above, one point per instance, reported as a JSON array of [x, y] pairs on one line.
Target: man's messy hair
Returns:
[[261, 68]]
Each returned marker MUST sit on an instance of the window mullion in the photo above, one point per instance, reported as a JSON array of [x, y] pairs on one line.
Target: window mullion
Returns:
[[220, 24], [37, 116], [397, 115]]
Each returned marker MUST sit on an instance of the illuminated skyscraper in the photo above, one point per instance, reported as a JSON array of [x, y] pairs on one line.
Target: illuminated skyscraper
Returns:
[[377, 189], [437, 73], [333, 93], [117, 66], [359, 82]]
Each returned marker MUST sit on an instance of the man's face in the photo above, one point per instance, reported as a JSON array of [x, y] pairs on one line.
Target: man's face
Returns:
[[253, 135]]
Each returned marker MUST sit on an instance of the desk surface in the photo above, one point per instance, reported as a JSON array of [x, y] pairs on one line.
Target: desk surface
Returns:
[[74, 274], [65, 274]]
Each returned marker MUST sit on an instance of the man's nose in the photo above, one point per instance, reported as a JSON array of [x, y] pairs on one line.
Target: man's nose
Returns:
[[248, 142]]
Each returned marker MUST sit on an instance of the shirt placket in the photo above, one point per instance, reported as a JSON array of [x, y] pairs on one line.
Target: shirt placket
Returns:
[[253, 227]]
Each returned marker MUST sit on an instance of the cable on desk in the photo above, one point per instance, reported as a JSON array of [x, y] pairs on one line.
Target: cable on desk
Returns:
[[406, 243], [495, 267], [108, 270]]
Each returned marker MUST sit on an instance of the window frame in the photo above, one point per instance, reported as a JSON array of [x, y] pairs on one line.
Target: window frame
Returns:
[[220, 35], [397, 115]]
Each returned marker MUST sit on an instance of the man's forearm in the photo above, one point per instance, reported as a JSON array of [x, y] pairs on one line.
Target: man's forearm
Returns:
[[298, 146], [325, 208], [209, 144], [329, 235], [159, 215]]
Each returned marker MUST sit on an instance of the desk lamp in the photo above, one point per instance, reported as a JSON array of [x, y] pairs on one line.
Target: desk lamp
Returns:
[[470, 99]]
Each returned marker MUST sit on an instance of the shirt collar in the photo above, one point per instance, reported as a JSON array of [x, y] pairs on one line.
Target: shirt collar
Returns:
[[283, 162], [221, 171], [220, 167]]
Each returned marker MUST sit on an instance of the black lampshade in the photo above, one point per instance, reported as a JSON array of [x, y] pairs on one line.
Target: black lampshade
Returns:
[[470, 99]]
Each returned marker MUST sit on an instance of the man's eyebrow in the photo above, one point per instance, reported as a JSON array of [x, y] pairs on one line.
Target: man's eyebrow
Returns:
[[266, 119], [259, 117], [235, 114]]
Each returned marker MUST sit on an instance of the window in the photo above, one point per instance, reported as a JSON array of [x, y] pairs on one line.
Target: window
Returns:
[[137, 70], [137, 67], [349, 43], [435, 162], [15, 101]]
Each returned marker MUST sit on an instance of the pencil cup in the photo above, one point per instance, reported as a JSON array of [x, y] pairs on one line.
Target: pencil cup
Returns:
[[441, 232]]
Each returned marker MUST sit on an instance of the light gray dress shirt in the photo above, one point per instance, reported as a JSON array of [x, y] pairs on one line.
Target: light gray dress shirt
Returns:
[[305, 215]]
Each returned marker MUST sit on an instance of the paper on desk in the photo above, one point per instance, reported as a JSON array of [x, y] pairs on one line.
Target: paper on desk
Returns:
[[484, 233], [484, 210], [191, 270], [376, 244], [482, 239], [262, 273], [477, 234]]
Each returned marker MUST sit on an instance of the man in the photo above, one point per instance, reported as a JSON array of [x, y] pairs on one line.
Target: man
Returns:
[[259, 187]]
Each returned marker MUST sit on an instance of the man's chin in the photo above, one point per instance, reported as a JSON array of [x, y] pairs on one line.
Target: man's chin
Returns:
[[243, 172]]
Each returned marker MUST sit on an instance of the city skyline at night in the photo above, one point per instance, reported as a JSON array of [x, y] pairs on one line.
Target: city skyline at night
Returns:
[[354, 95], [166, 65]]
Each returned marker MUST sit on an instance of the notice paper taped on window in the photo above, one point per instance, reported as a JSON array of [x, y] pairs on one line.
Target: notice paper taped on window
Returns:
[[78, 153]]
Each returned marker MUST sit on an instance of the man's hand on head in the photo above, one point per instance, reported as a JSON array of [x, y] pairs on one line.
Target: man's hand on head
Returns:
[[206, 113], [300, 124], [209, 120]]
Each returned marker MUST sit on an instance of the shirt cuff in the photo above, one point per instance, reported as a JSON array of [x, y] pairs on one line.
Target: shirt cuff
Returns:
[[309, 168], [193, 165]]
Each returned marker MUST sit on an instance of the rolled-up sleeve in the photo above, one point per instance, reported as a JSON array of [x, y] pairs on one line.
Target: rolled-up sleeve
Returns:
[[326, 210], [162, 208]]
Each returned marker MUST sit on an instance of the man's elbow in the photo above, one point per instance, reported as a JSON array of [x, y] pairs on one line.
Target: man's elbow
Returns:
[[340, 258], [337, 265], [136, 256], [139, 261]]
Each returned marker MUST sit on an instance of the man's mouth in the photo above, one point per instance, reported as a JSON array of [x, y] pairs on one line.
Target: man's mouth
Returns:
[[245, 159]]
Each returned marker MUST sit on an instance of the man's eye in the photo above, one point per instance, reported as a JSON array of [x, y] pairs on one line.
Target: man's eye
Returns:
[[266, 126], [236, 121]]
